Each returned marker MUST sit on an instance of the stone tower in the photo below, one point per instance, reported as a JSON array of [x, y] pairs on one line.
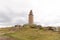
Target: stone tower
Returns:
[[30, 17]]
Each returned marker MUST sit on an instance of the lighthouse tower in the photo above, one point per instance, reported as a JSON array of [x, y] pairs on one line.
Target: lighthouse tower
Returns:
[[30, 17]]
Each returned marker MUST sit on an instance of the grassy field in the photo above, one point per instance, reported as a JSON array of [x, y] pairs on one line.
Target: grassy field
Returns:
[[34, 34]]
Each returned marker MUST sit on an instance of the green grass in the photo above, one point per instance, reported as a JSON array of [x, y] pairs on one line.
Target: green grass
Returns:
[[34, 34]]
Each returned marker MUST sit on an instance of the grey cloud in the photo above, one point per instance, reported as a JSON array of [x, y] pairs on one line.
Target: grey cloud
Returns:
[[4, 18], [13, 14], [7, 19], [20, 22]]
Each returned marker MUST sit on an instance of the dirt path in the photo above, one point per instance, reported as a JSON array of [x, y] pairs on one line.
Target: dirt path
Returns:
[[2, 33], [5, 37]]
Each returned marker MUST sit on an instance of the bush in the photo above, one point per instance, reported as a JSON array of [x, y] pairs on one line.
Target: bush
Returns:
[[25, 25], [39, 26], [52, 28], [33, 26]]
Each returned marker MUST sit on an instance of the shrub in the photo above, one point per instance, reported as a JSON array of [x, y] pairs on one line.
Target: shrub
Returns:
[[39, 26], [25, 25], [52, 28], [33, 26]]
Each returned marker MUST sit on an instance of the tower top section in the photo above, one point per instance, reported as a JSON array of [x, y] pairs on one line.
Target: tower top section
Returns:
[[31, 13]]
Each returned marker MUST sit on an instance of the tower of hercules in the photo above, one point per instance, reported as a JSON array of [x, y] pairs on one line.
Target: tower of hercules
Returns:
[[30, 17]]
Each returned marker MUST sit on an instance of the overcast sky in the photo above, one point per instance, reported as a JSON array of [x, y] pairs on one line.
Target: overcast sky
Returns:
[[46, 12]]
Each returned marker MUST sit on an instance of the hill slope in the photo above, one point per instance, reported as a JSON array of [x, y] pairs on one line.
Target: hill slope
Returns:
[[33, 34]]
